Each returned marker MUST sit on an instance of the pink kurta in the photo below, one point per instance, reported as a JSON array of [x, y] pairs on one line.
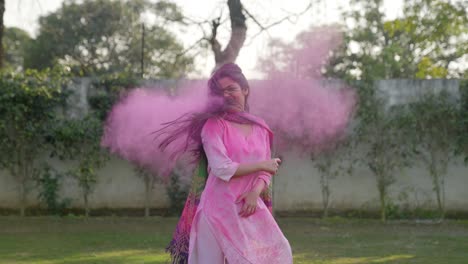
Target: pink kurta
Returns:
[[254, 239]]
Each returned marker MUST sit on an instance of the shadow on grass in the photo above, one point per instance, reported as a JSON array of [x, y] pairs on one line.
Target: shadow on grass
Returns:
[[113, 256], [307, 258], [137, 240]]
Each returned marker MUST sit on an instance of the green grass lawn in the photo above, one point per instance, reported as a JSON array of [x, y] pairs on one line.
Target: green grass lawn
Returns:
[[136, 240]]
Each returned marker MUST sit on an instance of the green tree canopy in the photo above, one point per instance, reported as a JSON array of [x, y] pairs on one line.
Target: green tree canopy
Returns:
[[30, 102], [426, 42], [105, 36], [15, 43]]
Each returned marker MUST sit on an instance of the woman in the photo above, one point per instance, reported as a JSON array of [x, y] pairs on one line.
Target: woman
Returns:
[[230, 221]]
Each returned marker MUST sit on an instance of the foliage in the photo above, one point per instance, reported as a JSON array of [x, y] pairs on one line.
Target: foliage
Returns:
[[426, 42], [177, 193], [422, 44], [400, 212], [29, 104], [149, 180], [15, 42], [104, 36], [379, 140], [304, 57], [49, 184], [462, 138], [79, 140], [109, 89], [331, 163], [433, 121], [2, 29]]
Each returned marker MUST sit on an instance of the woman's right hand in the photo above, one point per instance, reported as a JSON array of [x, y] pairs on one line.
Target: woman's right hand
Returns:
[[271, 166]]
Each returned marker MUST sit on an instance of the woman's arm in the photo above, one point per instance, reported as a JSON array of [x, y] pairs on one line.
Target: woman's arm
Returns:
[[259, 186], [261, 183], [248, 168], [265, 175], [218, 160], [250, 198]]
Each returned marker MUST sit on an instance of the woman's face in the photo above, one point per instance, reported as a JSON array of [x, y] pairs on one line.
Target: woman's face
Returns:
[[234, 95]]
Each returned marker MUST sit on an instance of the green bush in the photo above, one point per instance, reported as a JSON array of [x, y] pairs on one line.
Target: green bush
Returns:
[[177, 193], [29, 104], [49, 184], [109, 88]]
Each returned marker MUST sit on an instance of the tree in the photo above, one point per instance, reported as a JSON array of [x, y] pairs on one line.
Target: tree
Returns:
[[382, 145], [330, 164], [462, 139], [436, 32], [104, 36], [49, 183], [380, 140], [434, 133], [177, 192], [28, 106], [238, 35], [16, 42], [239, 20], [79, 140], [424, 43], [148, 179], [2, 26], [303, 58]]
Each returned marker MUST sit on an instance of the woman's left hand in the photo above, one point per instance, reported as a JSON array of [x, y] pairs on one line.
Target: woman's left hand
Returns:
[[250, 204]]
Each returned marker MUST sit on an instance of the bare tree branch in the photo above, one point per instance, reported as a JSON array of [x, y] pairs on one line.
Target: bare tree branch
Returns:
[[200, 24], [289, 18], [191, 46], [238, 31], [215, 45]]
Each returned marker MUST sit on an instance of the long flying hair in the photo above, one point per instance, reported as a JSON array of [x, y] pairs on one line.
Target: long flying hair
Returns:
[[189, 125]]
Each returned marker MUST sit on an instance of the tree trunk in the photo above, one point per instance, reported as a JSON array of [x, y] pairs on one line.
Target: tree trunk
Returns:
[[85, 196], [438, 187], [22, 198], [383, 213], [22, 176], [442, 198], [238, 35], [326, 206], [148, 191], [438, 183], [2, 52], [383, 202], [325, 193]]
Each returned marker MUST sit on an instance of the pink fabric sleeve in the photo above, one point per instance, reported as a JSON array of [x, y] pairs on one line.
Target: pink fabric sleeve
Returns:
[[265, 176], [219, 162]]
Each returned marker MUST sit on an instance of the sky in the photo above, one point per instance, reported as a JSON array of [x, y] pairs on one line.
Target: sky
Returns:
[[25, 13]]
